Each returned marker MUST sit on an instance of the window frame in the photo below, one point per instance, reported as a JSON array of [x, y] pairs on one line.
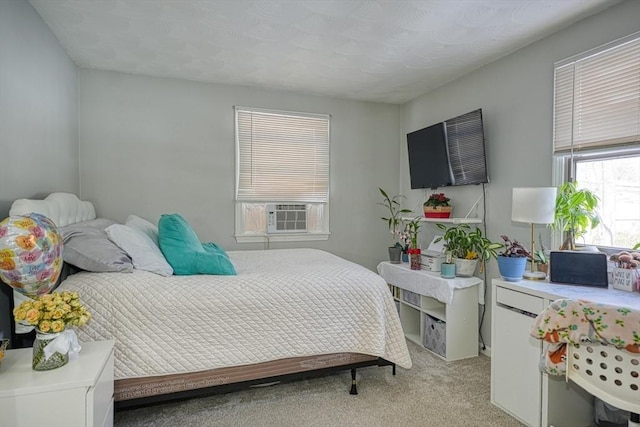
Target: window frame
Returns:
[[241, 206], [566, 156]]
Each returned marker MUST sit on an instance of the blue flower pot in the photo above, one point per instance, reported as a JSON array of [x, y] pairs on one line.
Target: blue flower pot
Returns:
[[512, 268]]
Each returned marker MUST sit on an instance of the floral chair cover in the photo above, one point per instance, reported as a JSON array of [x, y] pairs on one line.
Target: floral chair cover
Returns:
[[568, 321]]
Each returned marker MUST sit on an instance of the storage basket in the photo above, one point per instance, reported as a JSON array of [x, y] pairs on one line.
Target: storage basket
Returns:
[[411, 297], [435, 335], [609, 373]]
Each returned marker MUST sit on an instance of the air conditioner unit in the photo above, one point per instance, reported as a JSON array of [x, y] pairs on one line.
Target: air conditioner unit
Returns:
[[284, 218]]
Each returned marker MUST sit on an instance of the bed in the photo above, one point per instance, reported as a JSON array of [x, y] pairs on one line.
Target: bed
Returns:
[[287, 313]]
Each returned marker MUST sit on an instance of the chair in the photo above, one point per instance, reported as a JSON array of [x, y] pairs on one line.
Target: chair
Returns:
[[611, 374]]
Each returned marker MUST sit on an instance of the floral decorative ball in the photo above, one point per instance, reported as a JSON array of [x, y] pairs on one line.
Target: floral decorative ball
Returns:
[[30, 253]]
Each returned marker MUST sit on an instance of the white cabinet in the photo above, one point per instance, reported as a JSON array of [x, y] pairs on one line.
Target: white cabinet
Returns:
[[517, 385], [79, 393], [450, 328], [515, 354]]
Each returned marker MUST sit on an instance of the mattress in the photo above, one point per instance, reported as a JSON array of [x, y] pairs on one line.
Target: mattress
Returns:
[[283, 304]]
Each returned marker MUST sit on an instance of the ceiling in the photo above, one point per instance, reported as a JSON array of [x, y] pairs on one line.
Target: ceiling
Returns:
[[374, 50]]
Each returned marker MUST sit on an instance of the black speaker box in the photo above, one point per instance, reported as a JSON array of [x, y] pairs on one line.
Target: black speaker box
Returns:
[[579, 268]]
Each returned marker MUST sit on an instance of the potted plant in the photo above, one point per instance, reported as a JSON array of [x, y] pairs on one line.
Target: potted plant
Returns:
[[414, 250], [541, 261], [512, 261], [575, 213], [393, 221], [437, 206], [468, 247]]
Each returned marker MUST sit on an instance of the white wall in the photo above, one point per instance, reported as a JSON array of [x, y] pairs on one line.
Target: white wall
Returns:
[[154, 145], [38, 113], [516, 96]]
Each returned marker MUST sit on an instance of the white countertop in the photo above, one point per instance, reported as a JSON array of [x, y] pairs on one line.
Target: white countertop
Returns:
[[553, 291], [427, 283]]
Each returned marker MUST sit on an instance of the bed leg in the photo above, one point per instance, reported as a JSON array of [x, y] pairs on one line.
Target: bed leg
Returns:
[[354, 389], [393, 369]]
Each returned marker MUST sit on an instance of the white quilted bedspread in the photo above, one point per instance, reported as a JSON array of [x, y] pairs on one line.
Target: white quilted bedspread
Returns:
[[283, 303]]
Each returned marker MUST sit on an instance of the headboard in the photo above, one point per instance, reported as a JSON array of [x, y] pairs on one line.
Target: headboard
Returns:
[[62, 208]]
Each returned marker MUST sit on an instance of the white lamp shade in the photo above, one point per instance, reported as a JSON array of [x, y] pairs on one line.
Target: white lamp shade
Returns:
[[534, 205]]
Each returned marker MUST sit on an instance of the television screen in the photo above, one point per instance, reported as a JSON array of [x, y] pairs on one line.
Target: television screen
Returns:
[[428, 160], [448, 153]]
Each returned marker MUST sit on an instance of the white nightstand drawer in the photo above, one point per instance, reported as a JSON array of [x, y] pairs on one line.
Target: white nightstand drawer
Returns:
[[80, 392]]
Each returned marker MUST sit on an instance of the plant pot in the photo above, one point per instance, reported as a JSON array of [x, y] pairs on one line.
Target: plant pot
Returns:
[[543, 268], [437, 211], [395, 252], [416, 259], [405, 256], [448, 270], [39, 361], [465, 267], [512, 268]]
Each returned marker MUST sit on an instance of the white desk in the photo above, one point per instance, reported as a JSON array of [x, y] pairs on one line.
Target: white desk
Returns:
[[517, 385]]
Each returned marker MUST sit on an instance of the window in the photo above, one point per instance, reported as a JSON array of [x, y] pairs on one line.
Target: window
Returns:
[[597, 135], [282, 175]]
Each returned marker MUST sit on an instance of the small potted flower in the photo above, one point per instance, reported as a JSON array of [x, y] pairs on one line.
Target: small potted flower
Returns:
[[437, 206]]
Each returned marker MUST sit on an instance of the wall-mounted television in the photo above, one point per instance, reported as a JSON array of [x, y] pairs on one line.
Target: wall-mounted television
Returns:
[[448, 153]]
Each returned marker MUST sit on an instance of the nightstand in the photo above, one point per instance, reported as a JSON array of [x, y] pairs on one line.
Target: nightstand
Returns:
[[79, 393]]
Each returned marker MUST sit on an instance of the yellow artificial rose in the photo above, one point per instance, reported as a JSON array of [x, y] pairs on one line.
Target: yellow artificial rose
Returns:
[[57, 326], [32, 316], [57, 313], [19, 313], [45, 326]]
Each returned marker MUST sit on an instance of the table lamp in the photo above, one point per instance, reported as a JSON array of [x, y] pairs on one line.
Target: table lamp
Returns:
[[535, 205]]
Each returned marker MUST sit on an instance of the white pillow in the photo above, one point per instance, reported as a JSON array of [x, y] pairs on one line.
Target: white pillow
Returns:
[[145, 254], [143, 225]]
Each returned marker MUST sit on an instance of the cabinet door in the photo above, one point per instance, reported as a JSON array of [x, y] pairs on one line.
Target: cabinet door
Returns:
[[516, 379]]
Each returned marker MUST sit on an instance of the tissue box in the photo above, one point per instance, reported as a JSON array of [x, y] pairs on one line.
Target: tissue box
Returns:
[[431, 263], [626, 279]]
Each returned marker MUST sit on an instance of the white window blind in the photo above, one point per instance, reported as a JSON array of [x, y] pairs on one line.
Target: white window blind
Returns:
[[281, 156], [597, 98]]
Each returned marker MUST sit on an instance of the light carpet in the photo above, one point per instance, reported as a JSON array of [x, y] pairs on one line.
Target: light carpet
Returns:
[[431, 393]]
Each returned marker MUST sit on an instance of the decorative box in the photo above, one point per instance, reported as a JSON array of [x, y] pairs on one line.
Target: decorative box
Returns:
[[626, 279], [435, 335], [431, 263]]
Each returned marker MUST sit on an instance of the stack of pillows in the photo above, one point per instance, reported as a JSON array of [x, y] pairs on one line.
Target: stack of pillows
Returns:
[[101, 245]]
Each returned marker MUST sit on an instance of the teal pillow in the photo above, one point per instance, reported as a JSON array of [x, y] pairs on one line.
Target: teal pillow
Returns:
[[184, 252]]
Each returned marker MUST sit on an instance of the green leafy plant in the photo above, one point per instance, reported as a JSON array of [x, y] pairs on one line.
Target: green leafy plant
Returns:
[[514, 249], [412, 228], [392, 203], [465, 243], [575, 213], [540, 257]]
